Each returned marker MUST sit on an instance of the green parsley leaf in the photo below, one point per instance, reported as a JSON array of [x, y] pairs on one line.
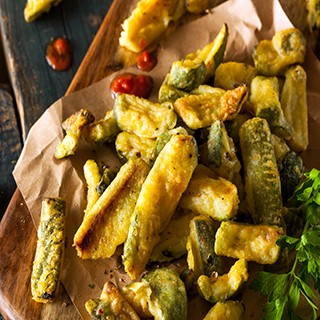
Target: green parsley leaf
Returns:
[[288, 242], [293, 296], [275, 309], [271, 284]]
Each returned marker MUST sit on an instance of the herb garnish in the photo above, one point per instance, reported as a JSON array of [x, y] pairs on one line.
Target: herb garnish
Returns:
[[284, 291]]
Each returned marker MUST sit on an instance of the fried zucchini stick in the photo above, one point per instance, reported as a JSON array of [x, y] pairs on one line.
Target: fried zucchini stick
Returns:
[[158, 199], [106, 225], [50, 246], [93, 177]]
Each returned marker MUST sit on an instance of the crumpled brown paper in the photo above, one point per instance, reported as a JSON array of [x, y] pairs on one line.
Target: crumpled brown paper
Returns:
[[38, 174]]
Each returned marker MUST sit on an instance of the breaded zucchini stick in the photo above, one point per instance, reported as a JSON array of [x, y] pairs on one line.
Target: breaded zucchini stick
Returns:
[[295, 108], [266, 104], [106, 225], [50, 246], [252, 242], [92, 176], [149, 21], [158, 199], [262, 179]]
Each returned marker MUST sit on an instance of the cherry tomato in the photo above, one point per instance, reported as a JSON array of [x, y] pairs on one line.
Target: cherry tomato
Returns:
[[59, 54], [138, 85], [146, 61]]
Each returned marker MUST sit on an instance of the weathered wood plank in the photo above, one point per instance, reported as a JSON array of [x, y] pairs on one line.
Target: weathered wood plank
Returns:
[[10, 148]]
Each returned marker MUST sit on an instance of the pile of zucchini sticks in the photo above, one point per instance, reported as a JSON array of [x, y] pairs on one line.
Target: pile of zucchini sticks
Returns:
[[209, 172]]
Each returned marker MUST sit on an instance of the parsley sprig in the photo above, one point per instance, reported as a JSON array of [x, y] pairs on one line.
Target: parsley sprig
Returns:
[[284, 291]]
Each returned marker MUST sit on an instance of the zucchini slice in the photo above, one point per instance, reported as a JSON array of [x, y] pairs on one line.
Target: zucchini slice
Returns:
[[45, 276], [252, 242], [131, 146], [111, 305], [142, 117], [73, 126], [201, 110], [287, 47], [202, 258], [295, 109], [106, 225], [262, 178], [171, 174], [221, 288], [210, 195], [169, 298]]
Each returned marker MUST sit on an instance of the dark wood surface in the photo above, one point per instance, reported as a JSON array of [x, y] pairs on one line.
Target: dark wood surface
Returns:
[[17, 233], [10, 146]]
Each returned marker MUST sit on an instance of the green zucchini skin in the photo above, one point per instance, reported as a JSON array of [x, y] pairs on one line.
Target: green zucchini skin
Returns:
[[169, 297], [212, 54], [47, 263], [215, 144], [104, 130], [201, 255], [187, 74], [107, 175], [169, 93], [264, 96], [262, 179], [295, 108]]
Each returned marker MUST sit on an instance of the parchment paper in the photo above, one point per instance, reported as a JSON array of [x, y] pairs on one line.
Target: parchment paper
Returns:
[[38, 174]]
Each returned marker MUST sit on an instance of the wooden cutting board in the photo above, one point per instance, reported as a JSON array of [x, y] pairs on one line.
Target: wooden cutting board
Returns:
[[17, 232]]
